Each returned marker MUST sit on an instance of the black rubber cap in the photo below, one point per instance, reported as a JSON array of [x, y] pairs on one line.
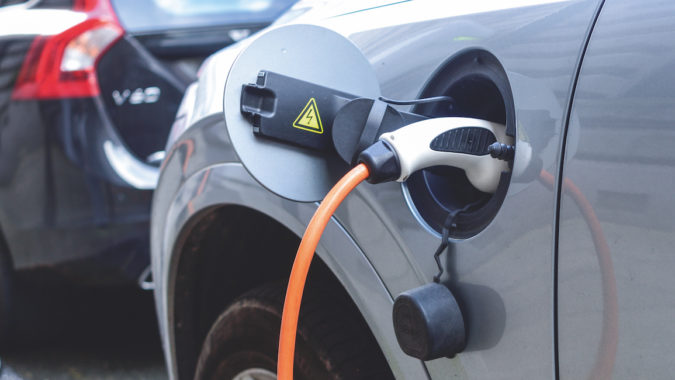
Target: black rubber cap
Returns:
[[428, 323]]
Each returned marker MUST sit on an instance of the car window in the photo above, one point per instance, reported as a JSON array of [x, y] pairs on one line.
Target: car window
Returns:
[[43, 4], [156, 15], [6, 3], [191, 7]]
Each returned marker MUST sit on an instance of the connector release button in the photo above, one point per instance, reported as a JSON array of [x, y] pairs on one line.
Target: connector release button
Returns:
[[467, 140]]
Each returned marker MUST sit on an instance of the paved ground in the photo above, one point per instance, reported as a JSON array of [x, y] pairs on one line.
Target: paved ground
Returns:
[[77, 332]]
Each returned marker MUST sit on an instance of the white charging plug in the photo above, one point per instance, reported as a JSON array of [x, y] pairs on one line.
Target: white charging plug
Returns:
[[451, 141]]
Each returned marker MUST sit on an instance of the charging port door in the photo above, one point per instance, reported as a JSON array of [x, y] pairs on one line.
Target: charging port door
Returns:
[[317, 56]]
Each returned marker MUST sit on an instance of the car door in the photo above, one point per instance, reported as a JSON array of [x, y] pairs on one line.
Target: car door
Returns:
[[615, 291], [502, 271]]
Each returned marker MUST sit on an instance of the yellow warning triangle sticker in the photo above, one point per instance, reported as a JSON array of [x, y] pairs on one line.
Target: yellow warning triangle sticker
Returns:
[[309, 119]]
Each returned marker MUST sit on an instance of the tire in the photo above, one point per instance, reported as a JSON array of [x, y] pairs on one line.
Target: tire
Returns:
[[332, 343], [6, 293]]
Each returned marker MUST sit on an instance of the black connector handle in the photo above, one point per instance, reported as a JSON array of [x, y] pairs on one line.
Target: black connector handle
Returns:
[[381, 162]]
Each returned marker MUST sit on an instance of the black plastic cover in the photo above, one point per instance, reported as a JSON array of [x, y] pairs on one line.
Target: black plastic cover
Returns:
[[428, 322], [359, 123]]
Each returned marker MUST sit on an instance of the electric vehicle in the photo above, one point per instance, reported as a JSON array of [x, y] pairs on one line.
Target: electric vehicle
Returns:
[[565, 271], [88, 92]]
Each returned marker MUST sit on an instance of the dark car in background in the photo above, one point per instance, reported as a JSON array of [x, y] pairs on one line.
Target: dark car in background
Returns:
[[88, 92]]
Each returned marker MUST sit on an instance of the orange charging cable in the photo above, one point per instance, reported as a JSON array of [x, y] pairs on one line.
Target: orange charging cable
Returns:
[[296, 283]]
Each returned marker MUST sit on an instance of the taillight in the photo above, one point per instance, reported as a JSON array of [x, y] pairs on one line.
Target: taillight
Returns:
[[64, 65]]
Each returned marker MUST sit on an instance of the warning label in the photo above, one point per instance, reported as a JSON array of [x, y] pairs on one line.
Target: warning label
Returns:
[[309, 119]]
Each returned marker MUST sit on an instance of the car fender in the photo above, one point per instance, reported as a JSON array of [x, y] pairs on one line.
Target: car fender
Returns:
[[226, 184]]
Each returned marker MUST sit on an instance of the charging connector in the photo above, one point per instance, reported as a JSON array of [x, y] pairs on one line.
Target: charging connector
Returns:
[[449, 141]]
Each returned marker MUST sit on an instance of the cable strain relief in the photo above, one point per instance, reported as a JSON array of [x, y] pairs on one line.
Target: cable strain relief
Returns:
[[501, 151], [381, 161]]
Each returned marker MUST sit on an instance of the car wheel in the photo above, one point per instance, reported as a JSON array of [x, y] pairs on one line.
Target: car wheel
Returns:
[[331, 344], [6, 280]]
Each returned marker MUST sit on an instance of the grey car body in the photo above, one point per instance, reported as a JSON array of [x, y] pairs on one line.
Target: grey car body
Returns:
[[593, 93]]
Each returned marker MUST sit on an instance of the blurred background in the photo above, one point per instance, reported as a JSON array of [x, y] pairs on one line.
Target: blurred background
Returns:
[[73, 331]]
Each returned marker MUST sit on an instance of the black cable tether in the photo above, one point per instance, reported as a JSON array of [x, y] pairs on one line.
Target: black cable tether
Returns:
[[433, 99], [370, 129], [445, 239]]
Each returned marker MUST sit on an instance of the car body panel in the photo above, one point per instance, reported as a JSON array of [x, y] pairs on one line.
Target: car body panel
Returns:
[[616, 308], [212, 177], [505, 273]]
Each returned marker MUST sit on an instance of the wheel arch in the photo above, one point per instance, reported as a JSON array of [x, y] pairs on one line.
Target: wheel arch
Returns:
[[196, 215], [216, 263]]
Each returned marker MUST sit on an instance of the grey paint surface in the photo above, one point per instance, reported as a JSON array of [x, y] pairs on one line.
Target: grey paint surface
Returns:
[[623, 164], [505, 273]]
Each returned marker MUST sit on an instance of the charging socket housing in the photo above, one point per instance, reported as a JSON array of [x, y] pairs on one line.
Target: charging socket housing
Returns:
[[480, 88]]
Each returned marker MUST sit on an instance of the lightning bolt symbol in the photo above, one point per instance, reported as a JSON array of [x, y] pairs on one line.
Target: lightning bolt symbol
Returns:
[[308, 119]]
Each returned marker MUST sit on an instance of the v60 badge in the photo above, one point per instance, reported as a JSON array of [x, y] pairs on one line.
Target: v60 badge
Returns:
[[139, 96]]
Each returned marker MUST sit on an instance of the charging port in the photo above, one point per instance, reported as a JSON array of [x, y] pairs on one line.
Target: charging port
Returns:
[[479, 86]]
